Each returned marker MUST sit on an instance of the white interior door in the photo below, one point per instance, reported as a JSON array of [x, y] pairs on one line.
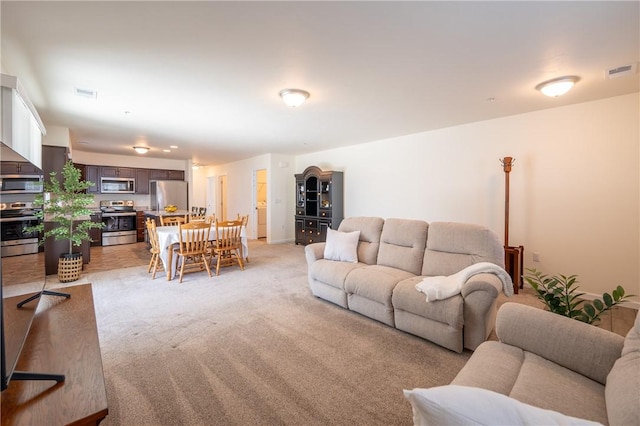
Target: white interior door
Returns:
[[222, 198], [210, 196], [260, 210]]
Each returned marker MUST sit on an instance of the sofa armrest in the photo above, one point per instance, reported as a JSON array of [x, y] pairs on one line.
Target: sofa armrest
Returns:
[[482, 282], [314, 252], [479, 293], [581, 347]]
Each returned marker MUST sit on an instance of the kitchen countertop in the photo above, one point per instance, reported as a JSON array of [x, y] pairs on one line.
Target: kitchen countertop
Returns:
[[158, 213]]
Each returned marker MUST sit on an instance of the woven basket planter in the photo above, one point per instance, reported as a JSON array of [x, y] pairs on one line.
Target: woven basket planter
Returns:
[[69, 267]]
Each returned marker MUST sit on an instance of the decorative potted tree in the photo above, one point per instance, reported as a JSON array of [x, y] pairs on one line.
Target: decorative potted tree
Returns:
[[65, 204]]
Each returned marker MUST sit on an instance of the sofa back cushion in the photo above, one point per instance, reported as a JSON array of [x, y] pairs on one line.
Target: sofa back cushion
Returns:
[[370, 229], [402, 244], [452, 247], [622, 391]]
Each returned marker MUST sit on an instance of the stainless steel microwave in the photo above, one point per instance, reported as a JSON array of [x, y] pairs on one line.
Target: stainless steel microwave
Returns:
[[21, 184], [117, 185]]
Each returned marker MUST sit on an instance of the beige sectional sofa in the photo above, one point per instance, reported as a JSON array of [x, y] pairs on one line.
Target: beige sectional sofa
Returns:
[[544, 368], [393, 255]]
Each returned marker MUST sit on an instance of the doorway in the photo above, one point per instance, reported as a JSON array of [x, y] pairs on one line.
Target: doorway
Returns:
[[261, 202]]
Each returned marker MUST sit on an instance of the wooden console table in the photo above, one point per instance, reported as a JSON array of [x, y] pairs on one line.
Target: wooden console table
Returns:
[[63, 339]]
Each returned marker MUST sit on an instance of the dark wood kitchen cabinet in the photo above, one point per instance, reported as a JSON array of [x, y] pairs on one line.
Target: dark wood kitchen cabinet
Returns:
[[140, 225], [96, 233], [121, 172], [319, 205], [158, 174], [18, 168], [93, 175], [53, 160], [90, 174], [142, 181]]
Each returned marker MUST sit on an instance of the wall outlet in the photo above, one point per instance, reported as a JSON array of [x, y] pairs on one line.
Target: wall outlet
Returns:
[[536, 256]]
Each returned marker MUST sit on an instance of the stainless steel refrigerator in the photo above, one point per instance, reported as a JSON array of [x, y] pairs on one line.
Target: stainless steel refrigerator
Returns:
[[165, 192]]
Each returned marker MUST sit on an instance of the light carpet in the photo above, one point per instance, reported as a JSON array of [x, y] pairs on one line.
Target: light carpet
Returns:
[[252, 347]]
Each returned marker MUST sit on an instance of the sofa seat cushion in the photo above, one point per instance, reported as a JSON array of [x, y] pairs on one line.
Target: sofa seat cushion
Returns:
[[332, 272], [548, 385], [448, 311], [493, 366], [533, 380], [375, 282]]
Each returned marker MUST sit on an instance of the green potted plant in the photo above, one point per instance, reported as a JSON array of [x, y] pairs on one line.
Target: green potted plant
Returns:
[[560, 296], [65, 204]]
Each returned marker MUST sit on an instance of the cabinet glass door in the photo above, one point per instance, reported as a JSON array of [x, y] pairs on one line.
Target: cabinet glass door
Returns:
[[312, 196], [300, 198], [325, 194]]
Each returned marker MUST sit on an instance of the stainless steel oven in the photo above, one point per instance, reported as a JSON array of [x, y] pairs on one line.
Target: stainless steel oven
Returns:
[[119, 221], [14, 218]]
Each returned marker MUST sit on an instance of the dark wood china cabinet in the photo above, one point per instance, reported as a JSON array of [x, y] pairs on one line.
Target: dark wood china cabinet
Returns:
[[319, 204]]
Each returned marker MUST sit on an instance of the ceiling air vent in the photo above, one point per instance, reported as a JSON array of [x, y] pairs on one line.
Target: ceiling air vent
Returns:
[[621, 71], [86, 93]]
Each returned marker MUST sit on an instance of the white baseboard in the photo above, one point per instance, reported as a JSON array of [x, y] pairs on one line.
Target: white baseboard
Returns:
[[285, 241]]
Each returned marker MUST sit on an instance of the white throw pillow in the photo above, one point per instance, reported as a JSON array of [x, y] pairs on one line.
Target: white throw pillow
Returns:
[[342, 246], [462, 405]]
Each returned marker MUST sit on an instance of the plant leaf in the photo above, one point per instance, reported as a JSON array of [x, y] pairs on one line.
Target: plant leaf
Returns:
[[589, 310]]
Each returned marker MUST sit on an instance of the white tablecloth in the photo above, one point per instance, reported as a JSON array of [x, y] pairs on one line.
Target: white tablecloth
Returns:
[[168, 236]]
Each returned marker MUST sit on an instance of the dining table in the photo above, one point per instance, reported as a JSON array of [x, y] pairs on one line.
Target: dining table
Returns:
[[169, 235]]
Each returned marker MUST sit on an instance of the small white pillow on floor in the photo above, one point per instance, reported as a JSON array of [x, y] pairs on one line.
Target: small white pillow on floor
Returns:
[[342, 246], [462, 405]]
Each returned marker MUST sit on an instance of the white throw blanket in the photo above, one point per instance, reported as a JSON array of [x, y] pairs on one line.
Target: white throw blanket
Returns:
[[441, 287]]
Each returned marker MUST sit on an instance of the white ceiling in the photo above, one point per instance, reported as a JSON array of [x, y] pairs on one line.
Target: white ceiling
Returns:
[[205, 76]]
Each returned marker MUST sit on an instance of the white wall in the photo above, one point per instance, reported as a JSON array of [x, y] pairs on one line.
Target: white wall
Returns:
[[241, 197], [280, 199], [57, 136], [574, 195]]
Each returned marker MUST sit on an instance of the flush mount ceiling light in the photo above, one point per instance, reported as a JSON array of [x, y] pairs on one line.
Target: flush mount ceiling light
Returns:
[[293, 97], [557, 86], [141, 149]]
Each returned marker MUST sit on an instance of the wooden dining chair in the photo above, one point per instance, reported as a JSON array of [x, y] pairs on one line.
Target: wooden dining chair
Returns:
[[197, 218], [245, 221], [243, 218], [228, 248], [192, 249], [172, 220], [152, 233]]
